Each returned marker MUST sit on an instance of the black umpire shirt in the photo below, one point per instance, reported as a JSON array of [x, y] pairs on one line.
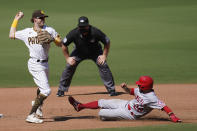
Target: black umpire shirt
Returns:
[[86, 46]]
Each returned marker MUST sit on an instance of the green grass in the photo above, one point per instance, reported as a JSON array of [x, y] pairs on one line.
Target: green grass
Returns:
[[154, 37], [171, 127]]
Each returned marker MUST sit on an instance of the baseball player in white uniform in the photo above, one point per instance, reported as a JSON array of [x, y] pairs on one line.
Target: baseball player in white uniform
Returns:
[[114, 109], [38, 61]]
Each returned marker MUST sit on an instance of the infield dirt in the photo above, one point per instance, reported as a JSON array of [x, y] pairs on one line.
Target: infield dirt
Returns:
[[60, 115]]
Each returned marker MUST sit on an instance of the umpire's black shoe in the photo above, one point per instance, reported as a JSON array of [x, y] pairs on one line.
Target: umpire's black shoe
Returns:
[[60, 93], [113, 93]]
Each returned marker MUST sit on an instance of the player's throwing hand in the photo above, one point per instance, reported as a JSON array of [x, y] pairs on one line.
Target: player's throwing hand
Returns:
[[19, 15]]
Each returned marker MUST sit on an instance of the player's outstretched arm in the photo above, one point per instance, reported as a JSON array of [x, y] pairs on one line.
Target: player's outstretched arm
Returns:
[[18, 16], [126, 89], [171, 114]]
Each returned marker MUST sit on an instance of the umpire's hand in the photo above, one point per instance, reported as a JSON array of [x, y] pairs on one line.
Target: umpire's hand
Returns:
[[101, 59], [71, 60]]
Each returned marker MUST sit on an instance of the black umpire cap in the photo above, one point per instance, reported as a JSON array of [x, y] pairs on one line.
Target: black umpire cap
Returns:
[[38, 14], [83, 21]]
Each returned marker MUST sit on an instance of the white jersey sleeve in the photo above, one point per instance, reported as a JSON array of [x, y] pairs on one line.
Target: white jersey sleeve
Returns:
[[155, 103], [21, 34]]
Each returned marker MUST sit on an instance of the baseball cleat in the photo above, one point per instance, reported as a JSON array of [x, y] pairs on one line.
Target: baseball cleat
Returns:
[[33, 119], [38, 111], [113, 93], [74, 103], [60, 93]]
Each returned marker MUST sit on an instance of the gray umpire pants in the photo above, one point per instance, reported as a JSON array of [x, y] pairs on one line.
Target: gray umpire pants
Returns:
[[104, 71]]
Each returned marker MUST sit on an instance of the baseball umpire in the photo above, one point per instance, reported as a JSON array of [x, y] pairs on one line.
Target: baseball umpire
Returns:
[[87, 40]]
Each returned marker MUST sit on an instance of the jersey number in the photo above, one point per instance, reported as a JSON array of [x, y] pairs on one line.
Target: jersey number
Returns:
[[138, 108]]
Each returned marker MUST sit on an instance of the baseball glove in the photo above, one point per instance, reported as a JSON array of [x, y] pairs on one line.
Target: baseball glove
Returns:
[[44, 37]]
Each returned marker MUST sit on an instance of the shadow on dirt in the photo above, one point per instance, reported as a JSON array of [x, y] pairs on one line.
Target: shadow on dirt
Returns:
[[95, 93], [65, 118], [154, 119]]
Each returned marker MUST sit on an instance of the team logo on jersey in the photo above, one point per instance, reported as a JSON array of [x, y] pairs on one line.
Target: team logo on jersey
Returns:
[[33, 40]]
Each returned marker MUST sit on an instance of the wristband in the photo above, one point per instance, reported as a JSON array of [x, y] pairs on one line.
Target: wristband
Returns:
[[14, 23], [58, 40], [132, 91]]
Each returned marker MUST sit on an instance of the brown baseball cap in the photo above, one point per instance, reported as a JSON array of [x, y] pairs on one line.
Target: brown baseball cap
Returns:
[[38, 14]]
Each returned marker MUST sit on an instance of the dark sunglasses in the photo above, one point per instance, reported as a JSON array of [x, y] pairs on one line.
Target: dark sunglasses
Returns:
[[42, 18]]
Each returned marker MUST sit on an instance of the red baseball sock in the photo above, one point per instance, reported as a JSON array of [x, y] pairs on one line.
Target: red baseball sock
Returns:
[[90, 105], [167, 110]]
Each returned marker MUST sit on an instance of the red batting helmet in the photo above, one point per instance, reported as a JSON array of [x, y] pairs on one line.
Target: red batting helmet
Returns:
[[145, 83]]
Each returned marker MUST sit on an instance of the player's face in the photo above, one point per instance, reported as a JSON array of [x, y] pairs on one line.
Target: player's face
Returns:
[[40, 21], [144, 91], [140, 88]]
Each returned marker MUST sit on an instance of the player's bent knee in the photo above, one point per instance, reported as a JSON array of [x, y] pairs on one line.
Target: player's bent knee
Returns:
[[46, 92], [100, 102]]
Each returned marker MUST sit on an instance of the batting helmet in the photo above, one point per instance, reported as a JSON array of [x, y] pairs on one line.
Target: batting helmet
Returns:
[[145, 83]]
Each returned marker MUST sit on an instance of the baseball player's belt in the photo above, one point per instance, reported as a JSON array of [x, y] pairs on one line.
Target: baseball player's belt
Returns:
[[38, 60], [42, 60]]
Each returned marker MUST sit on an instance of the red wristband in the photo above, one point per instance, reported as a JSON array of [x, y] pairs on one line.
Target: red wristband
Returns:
[[132, 91]]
